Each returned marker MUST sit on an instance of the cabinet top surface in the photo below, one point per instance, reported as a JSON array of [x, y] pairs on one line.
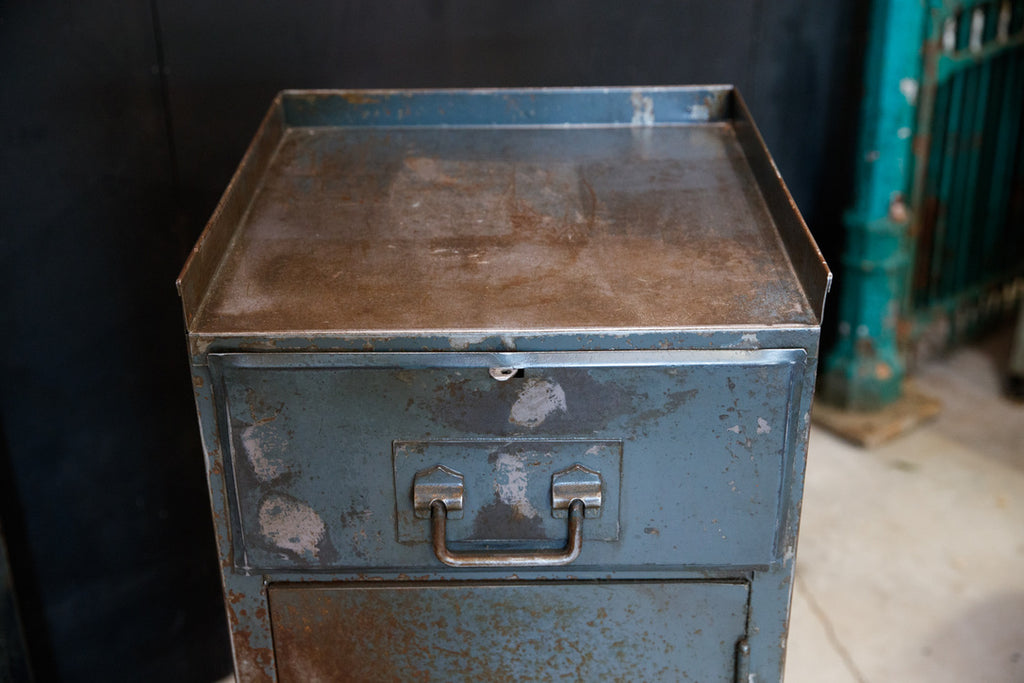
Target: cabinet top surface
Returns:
[[396, 228]]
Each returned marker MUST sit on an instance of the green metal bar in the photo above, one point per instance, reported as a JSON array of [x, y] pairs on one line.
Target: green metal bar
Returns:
[[1001, 142], [954, 198], [931, 137], [947, 176], [930, 236], [971, 145], [1015, 117], [1015, 210], [865, 370]]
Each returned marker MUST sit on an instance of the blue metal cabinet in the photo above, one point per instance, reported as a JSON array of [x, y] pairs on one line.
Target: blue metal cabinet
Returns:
[[506, 385]]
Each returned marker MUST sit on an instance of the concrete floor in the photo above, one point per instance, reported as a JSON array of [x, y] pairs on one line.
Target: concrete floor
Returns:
[[911, 558]]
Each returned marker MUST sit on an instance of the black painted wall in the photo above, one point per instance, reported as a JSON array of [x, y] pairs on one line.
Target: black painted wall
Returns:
[[121, 124]]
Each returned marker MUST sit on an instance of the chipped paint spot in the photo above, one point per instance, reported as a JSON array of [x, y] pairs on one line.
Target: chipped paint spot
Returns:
[[735, 429], [745, 340], [643, 109], [538, 399], [511, 481], [200, 345], [763, 427], [257, 441], [291, 525], [463, 343], [909, 88], [700, 112]]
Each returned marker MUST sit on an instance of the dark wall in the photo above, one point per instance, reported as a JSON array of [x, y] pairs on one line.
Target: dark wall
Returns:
[[110, 547], [122, 123], [790, 58]]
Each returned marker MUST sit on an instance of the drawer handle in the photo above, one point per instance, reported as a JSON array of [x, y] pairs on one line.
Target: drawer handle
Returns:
[[575, 492]]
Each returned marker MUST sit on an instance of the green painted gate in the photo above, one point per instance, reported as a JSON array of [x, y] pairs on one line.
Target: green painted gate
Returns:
[[935, 245]]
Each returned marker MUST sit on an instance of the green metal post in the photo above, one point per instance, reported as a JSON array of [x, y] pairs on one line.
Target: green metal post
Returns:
[[865, 371]]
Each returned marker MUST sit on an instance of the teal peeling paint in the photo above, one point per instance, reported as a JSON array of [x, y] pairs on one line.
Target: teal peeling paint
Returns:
[[865, 370]]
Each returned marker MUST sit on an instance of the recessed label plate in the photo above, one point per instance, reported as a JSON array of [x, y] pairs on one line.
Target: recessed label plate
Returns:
[[507, 488]]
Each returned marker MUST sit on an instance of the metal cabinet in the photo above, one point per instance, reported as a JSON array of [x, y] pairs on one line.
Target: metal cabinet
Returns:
[[506, 385]]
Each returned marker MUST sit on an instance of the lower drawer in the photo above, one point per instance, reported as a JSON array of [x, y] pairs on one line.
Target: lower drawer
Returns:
[[522, 631]]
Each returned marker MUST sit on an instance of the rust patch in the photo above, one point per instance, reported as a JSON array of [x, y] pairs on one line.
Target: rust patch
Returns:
[[258, 345], [359, 98], [883, 371], [392, 633], [251, 663], [259, 410], [515, 228]]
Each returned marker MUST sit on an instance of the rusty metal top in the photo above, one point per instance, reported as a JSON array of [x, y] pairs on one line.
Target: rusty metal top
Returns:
[[392, 212]]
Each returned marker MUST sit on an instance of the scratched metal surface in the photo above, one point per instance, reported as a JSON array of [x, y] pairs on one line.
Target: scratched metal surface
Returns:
[[505, 228], [643, 631]]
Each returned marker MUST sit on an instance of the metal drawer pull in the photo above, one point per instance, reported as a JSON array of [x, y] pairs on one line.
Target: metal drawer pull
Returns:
[[575, 492]]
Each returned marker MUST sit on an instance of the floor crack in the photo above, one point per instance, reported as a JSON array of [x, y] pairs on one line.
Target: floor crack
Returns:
[[830, 632]]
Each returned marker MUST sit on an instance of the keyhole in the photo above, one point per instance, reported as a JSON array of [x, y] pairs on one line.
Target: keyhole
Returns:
[[504, 374]]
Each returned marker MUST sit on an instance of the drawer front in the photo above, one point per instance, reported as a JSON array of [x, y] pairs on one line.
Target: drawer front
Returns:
[[323, 451], [528, 631]]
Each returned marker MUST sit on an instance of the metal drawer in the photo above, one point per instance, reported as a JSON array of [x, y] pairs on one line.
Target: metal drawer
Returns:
[[540, 631], [692, 448]]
